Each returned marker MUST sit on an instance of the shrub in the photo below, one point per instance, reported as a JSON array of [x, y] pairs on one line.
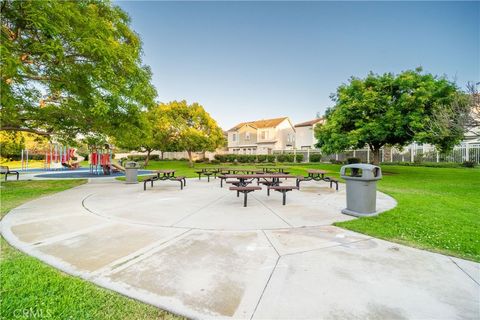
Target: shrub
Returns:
[[285, 157], [136, 158], [199, 160], [215, 161], [469, 164], [220, 157], [418, 158], [316, 157], [262, 158], [270, 158], [333, 161], [36, 157], [353, 160], [299, 158]]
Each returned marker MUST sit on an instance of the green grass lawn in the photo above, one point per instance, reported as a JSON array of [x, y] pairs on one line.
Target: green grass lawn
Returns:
[[438, 208], [31, 289]]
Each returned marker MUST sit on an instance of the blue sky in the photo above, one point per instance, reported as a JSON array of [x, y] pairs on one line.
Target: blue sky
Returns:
[[252, 60]]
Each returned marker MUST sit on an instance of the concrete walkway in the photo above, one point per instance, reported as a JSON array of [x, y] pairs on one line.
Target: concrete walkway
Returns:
[[199, 253]]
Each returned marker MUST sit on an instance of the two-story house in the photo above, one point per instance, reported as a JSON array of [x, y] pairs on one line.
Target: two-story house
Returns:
[[262, 136], [305, 134]]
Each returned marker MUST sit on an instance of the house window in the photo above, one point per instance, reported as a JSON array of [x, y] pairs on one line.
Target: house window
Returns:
[[234, 137], [247, 136], [290, 138], [264, 134]]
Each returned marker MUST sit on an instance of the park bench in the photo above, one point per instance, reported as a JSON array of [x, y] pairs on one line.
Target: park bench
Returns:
[[163, 175], [245, 191], [317, 175], [182, 180], [269, 183], [283, 190], [6, 171], [206, 173]]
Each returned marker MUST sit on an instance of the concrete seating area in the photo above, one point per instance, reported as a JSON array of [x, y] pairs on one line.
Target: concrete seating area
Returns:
[[6, 171]]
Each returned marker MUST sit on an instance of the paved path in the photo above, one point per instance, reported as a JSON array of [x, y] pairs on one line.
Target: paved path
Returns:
[[199, 253]]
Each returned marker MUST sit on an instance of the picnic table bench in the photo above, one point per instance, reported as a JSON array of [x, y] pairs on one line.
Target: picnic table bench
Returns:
[[283, 190], [317, 175], [274, 169], [6, 171], [163, 175], [245, 191], [207, 172], [242, 181]]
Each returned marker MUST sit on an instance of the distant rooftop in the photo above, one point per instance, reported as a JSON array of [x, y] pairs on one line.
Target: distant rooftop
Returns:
[[309, 123], [264, 123]]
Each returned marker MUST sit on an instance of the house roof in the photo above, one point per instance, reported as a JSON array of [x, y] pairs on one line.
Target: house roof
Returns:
[[265, 123], [309, 123]]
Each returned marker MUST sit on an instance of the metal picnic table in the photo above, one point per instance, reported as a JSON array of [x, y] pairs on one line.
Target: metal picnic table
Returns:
[[317, 175], [163, 175]]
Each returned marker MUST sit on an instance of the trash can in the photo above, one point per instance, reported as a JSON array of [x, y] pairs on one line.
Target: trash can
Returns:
[[131, 172], [361, 180]]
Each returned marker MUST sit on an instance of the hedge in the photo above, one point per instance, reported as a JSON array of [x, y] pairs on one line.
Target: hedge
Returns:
[[261, 158]]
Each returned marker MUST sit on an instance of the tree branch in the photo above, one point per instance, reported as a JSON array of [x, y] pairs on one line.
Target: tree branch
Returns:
[[39, 132]]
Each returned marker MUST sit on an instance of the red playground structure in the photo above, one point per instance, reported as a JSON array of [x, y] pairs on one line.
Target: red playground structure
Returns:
[[59, 157], [100, 160]]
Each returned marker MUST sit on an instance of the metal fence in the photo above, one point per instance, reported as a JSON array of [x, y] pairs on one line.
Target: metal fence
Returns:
[[412, 153]]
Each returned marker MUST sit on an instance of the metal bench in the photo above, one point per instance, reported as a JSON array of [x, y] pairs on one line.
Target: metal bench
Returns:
[[245, 191], [318, 177], [283, 190], [182, 180], [6, 171], [207, 173]]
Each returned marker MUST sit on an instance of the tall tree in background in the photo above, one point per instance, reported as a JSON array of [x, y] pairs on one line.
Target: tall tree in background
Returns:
[[192, 128], [70, 67], [388, 109], [155, 132]]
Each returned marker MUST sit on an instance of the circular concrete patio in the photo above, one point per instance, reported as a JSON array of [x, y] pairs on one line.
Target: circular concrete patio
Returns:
[[199, 253]]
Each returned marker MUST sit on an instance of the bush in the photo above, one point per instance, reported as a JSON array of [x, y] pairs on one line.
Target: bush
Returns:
[[424, 164], [316, 157], [262, 158], [200, 161], [270, 158], [469, 164], [353, 160], [215, 161], [299, 158], [289, 157], [333, 161]]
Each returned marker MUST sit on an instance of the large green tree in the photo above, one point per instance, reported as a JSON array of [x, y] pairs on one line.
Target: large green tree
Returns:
[[70, 67], [192, 128], [388, 109], [155, 132]]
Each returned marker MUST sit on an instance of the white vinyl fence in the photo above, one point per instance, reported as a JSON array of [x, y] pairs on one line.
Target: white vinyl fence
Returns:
[[412, 153]]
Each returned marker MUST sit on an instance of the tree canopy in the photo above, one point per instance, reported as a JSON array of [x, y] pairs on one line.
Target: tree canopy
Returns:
[[70, 67], [190, 127], [388, 109]]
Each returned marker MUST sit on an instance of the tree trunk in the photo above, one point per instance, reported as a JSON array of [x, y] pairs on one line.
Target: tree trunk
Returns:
[[190, 160], [161, 155], [376, 155], [147, 157]]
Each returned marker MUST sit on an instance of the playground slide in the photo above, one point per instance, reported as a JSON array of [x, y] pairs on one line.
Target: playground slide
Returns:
[[117, 166]]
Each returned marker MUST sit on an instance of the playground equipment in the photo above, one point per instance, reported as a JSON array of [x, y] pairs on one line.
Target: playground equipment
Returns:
[[24, 159], [100, 160], [59, 157]]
